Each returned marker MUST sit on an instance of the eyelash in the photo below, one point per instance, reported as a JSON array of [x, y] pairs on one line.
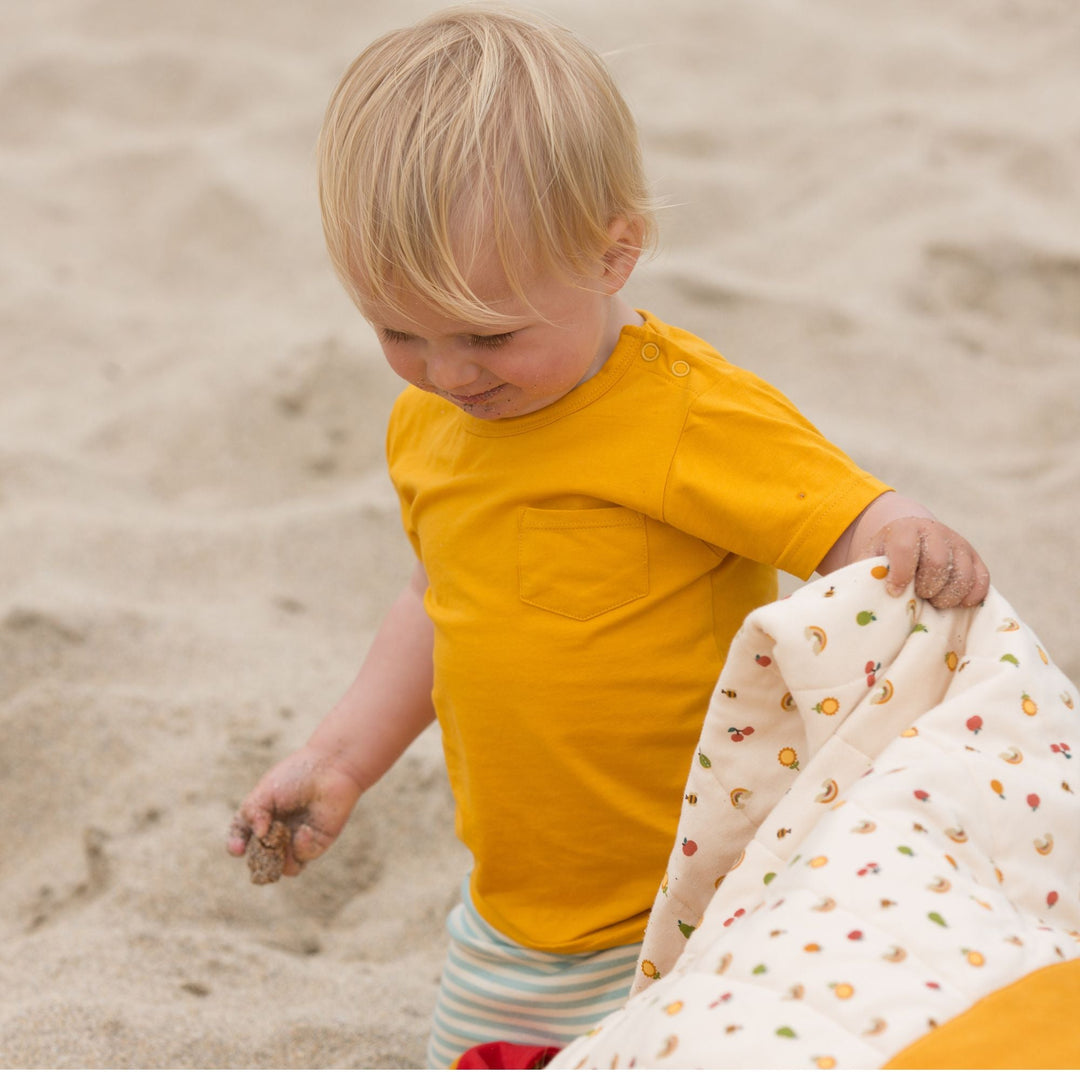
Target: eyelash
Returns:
[[489, 341], [492, 341]]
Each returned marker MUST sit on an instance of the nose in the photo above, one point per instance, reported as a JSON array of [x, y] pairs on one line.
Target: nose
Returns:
[[449, 372]]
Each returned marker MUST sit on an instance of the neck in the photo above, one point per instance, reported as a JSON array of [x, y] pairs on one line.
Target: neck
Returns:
[[619, 314]]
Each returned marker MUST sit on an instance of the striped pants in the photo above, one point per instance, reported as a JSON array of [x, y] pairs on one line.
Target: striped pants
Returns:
[[494, 990]]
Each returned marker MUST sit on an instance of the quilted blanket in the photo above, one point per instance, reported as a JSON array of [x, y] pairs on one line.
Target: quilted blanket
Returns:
[[881, 827]]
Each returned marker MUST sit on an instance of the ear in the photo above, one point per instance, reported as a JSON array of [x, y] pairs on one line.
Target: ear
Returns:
[[623, 252]]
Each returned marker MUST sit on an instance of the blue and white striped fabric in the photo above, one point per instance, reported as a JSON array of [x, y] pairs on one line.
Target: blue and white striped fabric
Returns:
[[493, 990]]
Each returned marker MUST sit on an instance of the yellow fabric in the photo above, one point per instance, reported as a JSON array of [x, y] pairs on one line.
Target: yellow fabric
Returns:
[[589, 564], [1032, 1024]]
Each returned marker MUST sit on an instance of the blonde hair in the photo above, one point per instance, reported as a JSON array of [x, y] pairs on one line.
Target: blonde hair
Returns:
[[474, 111]]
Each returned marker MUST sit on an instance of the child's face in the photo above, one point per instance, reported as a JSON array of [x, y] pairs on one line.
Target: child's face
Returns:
[[540, 350]]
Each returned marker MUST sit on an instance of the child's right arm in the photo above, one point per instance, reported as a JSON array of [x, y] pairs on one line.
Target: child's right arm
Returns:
[[315, 788]]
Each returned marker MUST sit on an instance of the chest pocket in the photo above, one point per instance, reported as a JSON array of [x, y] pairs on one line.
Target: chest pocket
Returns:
[[581, 563]]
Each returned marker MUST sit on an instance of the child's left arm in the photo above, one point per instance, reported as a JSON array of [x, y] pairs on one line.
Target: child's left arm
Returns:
[[946, 568]]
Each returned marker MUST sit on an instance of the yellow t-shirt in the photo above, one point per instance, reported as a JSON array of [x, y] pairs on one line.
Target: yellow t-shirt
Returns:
[[589, 564]]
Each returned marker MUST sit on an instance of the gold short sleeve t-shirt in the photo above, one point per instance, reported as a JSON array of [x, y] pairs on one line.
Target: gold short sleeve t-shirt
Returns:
[[589, 564]]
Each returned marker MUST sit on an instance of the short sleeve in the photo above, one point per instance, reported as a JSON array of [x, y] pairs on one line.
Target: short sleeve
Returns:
[[753, 476]]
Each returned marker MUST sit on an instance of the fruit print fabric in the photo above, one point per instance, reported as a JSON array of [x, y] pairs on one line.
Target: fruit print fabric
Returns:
[[880, 828]]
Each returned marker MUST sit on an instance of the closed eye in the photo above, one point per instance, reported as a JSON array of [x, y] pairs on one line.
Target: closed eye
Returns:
[[490, 341], [394, 337]]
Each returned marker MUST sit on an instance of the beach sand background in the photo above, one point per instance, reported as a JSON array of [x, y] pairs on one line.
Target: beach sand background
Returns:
[[876, 207]]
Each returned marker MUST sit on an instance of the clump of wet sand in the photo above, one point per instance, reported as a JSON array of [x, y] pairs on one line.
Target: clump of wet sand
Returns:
[[266, 856]]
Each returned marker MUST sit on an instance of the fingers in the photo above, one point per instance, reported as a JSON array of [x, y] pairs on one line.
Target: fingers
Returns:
[[899, 542], [934, 575], [253, 818], [236, 841], [293, 864], [304, 844], [309, 843], [958, 581], [980, 582], [306, 840], [968, 581], [944, 567], [308, 794], [950, 574]]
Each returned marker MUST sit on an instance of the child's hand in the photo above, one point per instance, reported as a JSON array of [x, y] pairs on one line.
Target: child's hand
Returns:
[[946, 568], [309, 793]]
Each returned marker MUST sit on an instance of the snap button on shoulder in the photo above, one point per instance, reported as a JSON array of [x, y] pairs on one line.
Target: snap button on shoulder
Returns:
[[680, 368], [650, 351]]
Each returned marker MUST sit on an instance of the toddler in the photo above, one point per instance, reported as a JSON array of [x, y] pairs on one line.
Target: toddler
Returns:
[[596, 500]]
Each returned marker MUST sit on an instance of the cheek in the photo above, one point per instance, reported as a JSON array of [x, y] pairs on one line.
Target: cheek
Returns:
[[408, 367], [563, 365], [528, 369]]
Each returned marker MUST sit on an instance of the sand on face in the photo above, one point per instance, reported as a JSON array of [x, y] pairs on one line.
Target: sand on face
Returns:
[[876, 210]]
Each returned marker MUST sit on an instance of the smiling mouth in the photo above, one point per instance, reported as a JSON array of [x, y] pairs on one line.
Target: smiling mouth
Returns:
[[477, 399]]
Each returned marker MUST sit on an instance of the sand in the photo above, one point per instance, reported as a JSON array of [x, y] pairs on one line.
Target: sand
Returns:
[[875, 207]]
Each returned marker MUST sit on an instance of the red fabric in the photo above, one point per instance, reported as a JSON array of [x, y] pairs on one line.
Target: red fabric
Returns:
[[504, 1055]]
